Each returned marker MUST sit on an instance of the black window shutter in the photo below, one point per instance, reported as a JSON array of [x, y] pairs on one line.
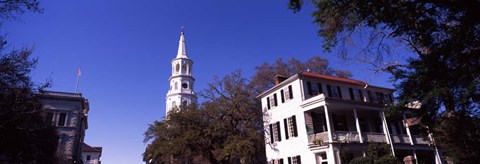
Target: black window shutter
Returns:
[[320, 89], [339, 92], [275, 99], [286, 127], [391, 98], [351, 94], [281, 161], [290, 91], [361, 95], [294, 122], [329, 89], [299, 161], [279, 132], [370, 97], [271, 134], [289, 160], [282, 96], [268, 102], [309, 88]]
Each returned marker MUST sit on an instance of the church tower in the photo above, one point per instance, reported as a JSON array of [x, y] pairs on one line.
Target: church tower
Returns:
[[181, 82]]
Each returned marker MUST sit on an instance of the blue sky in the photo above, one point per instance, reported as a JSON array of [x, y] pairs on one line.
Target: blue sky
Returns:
[[125, 47]]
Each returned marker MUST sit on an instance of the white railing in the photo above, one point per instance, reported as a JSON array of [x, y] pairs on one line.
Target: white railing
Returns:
[[345, 136], [373, 137], [318, 139], [402, 138], [420, 140]]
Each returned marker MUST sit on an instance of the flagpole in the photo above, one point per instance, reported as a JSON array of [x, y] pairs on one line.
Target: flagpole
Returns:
[[78, 78]]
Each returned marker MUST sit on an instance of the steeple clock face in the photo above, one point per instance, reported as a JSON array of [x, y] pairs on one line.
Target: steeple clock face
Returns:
[[185, 85]]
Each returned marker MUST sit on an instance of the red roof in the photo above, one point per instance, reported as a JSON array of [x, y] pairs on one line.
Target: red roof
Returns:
[[328, 77]]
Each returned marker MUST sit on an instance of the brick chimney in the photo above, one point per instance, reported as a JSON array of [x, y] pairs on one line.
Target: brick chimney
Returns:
[[279, 79]]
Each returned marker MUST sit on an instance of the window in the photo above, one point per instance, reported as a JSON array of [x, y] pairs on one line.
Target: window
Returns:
[[277, 161], [50, 118], [177, 68], [282, 95], [184, 103], [380, 97], [88, 157], [185, 85], [287, 93], [372, 98], [275, 135], [290, 127], [294, 160], [62, 119], [290, 92], [356, 95], [309, 88], [334, 91], [320, 90], [314, 89]]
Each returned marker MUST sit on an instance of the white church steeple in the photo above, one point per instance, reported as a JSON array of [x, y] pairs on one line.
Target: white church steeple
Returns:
[[182, 51], [181, 91]]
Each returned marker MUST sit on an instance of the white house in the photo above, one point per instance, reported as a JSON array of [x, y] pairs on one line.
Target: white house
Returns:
[[91, 155], [311, 118]]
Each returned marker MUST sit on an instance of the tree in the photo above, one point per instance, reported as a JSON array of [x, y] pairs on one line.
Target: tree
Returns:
[[444, 74], [25, 136], [265, 73], [227, 128]]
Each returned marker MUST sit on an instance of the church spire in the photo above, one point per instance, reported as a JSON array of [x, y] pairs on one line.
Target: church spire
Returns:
[[182, 51]]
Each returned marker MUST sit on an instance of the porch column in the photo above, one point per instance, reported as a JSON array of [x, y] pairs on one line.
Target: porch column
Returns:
[[330, 152], [386, 131], [329, 128], [415, 156], [357, 123], [408, 129]]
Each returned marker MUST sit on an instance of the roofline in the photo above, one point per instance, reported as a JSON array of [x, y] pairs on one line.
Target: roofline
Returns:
[[322, 76], [290, 79]]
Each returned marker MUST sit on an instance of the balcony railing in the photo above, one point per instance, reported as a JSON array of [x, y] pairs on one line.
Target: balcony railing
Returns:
[[373, 137], [319, 139], [401, 138], [345, 136], [420, 140]]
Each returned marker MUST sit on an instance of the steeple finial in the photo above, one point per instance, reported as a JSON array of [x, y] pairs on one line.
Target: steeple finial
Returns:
[[182, 51]]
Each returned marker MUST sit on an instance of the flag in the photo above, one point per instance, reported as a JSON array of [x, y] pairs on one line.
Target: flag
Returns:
[[79, 72]]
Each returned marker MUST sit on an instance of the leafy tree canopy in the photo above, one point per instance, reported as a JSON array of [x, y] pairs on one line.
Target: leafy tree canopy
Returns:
[[265, 73], [25, 136], [445, 73], [227, 128]]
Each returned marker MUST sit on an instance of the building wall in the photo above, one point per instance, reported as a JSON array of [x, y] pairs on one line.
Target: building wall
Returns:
[[71, 134], [94, 158]]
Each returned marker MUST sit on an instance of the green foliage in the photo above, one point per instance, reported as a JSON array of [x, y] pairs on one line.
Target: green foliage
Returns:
[[445, 73], [375, 151], [265, 73], [361, 160], [387, 159], [25, 136], [227, 128]]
